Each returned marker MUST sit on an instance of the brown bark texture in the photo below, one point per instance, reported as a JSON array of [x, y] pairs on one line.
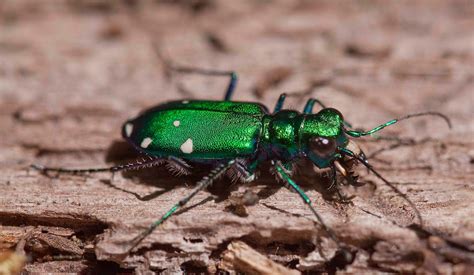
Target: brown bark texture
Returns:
[[71, 72]]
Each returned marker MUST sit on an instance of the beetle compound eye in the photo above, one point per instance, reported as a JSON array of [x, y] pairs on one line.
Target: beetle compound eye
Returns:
[[322, 146]]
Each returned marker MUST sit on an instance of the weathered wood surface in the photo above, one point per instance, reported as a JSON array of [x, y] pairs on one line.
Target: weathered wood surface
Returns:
[[72, 71]]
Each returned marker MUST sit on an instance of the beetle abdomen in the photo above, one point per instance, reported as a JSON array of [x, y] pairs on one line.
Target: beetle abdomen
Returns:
[[197, 130]]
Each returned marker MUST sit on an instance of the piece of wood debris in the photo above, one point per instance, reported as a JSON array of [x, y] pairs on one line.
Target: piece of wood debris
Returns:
[[242, 258], [11, 262]]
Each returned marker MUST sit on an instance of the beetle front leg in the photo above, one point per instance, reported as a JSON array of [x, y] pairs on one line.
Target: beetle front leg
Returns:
[[334, 184], [344, 252]]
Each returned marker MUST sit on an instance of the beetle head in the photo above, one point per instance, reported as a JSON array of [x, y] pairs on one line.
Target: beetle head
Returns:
[[321, 135]]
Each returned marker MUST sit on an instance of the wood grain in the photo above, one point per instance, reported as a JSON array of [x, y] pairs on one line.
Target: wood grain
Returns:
[[71, 72]]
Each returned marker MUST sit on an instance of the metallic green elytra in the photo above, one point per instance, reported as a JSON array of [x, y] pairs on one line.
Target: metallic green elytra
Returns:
[[237, 137], [198, 129]]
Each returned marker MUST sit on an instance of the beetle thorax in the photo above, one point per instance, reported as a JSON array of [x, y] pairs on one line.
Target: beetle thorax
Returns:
[[281, 134]]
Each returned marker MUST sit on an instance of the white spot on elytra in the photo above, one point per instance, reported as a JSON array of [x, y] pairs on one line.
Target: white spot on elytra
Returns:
[[187, 146], [146, 142], [128, 129], [185, 101], [176, 123]]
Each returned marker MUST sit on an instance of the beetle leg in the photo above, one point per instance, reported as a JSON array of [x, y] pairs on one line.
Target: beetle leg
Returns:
[[333, 178], [346, 253], [145, 162], [178, 166], [209, 72], [334, 184], [279, 104], [289, 167], [308, 108], [388, 183], [243, 171], [231, 87], [246, 171], [201, 185]]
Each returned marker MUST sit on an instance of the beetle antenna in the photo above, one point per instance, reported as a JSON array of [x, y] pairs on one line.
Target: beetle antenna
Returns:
[[393, 121], [147, 162], [378, 175]]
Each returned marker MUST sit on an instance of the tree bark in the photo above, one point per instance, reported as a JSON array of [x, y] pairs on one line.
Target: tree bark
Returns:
[[71, 72]]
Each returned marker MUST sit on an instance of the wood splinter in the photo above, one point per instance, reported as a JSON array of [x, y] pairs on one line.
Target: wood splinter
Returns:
[[242, 258]]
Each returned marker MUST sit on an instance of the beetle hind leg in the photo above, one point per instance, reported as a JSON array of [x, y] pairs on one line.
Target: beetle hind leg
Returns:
[[144, 162], [207, 72], [241, 171], [178, 167]]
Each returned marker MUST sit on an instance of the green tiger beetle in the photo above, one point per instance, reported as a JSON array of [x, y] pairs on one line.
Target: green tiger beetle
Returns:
[[238, 136]]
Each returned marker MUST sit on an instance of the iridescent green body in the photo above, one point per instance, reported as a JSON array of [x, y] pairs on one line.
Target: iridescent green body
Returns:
[[215, 130]]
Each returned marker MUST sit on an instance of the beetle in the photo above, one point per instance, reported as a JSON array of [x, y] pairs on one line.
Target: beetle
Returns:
[[238, 137]]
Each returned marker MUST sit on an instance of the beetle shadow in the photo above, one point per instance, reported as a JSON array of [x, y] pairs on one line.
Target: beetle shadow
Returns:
[[305, 176], [120, 152]]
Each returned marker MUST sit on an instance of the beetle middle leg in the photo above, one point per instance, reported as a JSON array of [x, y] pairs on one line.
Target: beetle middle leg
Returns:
[[201, 185], [308, 108]]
